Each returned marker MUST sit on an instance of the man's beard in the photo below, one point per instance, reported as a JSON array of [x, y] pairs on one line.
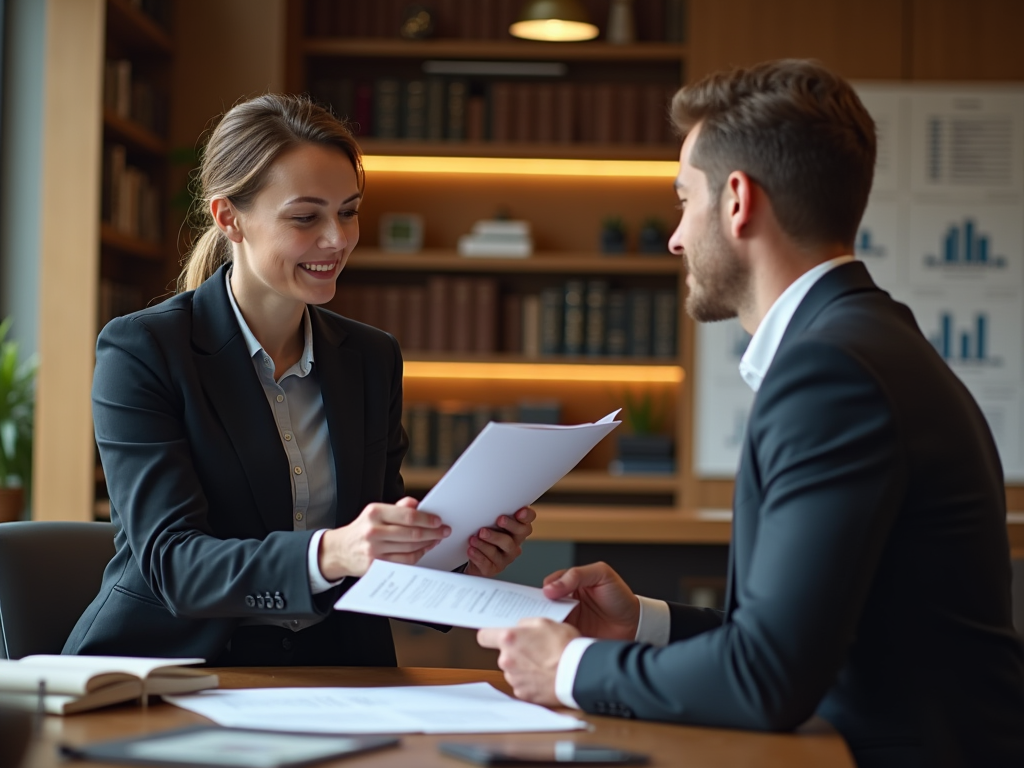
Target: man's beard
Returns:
[[721, 279]]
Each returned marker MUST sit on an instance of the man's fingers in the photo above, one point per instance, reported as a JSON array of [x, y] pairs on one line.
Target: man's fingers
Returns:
[[579, 577], [492, 637], [554, 576], [407, 515]]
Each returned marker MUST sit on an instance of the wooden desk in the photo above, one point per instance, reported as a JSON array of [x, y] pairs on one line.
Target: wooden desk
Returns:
[[668, 745]]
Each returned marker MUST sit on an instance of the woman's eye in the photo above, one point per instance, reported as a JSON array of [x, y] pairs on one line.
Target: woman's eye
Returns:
[[304, 219], [349, 214]]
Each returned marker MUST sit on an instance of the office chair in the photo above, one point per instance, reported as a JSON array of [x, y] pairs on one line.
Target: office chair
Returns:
[[49, 573]]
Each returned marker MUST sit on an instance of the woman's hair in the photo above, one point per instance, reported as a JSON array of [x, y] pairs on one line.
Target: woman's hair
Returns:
[[798, 130], [236, 159]]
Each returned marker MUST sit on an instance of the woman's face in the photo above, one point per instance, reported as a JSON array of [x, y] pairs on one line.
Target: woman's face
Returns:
[[297, 235]]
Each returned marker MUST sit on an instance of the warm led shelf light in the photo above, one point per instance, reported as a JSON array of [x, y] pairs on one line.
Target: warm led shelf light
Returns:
[[647, 374], [516, 166], [554, 21]]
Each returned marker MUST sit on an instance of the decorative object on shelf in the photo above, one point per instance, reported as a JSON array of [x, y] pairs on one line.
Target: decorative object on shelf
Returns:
[[401, 232], [498, 237], [418, 23], [17, 408], [653, 237], [621, 27], [645, 450], [613, 235], [554, 21]]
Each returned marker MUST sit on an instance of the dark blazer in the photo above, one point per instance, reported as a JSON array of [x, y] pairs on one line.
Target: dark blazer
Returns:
[[869, 576], [199, 483]]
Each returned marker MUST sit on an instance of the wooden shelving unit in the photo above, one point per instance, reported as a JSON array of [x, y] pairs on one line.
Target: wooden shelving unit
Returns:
[[557, 262], [520, 150], [133, 270], [521, 50]]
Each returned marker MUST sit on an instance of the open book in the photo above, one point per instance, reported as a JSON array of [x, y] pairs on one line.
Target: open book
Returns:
[[70, 684]]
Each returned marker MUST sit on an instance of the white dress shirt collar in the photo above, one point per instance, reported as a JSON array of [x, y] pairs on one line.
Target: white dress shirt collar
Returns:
[[252, 344], [765, 343]]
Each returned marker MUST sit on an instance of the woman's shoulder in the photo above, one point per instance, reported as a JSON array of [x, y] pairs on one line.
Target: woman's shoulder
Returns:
[[170, 317], [345, 327]]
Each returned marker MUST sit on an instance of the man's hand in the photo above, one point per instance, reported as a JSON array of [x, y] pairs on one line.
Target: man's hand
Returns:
[[529, 656], [492, 549], [395, 532], [608, 609]]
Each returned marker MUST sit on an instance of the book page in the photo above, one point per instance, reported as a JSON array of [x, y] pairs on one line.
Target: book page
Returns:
[[441, 597]]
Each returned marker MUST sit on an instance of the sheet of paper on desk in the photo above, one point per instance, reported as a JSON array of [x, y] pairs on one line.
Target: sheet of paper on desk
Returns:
[[466, 708], [441, 597], [506, 467]]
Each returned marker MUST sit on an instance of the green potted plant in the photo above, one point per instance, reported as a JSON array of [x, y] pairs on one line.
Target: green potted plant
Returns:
[[644, 449], [613, 235], [17, 409]]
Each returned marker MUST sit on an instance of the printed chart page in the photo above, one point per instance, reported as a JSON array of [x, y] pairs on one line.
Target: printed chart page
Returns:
[[422, 594], [507, 466]]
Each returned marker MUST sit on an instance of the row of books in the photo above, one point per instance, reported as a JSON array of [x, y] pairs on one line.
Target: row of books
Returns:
[[132, 97], [468, 315], [131, 200], [654, 20], [455, 109], [438, 434]]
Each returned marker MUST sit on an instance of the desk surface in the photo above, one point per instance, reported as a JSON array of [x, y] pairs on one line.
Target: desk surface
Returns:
[[668, 745]]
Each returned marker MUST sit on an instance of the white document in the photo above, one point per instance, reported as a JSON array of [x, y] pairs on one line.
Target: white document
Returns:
[[466, 708], [442, 597], [506, 467]]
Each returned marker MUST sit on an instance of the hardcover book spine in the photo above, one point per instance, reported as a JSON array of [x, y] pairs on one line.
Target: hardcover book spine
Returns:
[[456, 123], [501, 112], [414, 124], [565, 113], [512, 324], [531, 326], [640, 311], [486, 315], [414, 319], [462, 314], [663, 337], [596, 301], [438, 313], [386, 97], [436, 108], [574, 317], [552, 310], [617, 335]]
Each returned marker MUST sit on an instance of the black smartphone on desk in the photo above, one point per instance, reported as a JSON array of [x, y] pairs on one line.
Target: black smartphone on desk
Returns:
[[527, 753]]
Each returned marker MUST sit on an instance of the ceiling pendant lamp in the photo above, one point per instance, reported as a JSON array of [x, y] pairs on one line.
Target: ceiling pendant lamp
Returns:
[[554, 21]]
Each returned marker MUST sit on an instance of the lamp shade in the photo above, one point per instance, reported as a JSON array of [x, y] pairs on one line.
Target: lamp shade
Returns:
[[554, 21]]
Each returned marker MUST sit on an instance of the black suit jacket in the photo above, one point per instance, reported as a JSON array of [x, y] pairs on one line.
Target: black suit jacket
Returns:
[[199, 482], [869, 575]]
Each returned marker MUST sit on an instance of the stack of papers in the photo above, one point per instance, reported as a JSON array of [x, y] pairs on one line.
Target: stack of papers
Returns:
[[466, 708], [497, 237], [506, 467]]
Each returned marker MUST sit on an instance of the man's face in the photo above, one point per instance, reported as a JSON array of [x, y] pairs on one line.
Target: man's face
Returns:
[[716, 275]]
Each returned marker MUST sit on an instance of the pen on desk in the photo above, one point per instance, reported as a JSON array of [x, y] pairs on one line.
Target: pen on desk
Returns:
[[40, 706]]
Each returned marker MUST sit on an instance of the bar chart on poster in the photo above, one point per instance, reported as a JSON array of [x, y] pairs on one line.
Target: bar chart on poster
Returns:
[[944, 233]]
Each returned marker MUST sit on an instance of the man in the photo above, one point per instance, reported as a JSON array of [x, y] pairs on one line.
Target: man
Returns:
[[869, 575]]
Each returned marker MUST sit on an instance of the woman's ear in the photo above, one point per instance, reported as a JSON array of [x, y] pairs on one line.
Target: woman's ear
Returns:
[[226, 217]]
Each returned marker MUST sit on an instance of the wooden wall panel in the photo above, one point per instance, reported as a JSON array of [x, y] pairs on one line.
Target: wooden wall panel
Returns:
[[957, 40], [862, 40]]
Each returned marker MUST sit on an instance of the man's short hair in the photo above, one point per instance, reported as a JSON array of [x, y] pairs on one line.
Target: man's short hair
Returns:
[[797, 130]]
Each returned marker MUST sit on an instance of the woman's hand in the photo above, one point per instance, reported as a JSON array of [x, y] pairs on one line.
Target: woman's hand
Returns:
[[492, 549], [395, 532]]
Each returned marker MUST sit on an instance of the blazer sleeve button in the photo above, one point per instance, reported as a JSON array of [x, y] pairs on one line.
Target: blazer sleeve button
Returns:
[[250, 601], [268, 600], [278, 601], [259, 601]]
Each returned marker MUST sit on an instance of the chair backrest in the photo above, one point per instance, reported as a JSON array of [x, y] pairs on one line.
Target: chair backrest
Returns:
[[49, 573]]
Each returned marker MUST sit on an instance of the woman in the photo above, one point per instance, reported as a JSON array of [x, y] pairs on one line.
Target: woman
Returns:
[[251, 440]]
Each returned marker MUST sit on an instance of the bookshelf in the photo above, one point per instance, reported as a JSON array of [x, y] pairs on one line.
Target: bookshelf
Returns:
[[324, 58], [136, 265]]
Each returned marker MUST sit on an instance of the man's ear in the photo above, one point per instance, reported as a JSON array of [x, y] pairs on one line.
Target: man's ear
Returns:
[[225, 216], [738, 202]]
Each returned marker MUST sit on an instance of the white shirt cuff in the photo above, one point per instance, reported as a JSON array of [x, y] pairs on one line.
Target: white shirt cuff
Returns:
[[565, 677], [317, 582], [655, 625]]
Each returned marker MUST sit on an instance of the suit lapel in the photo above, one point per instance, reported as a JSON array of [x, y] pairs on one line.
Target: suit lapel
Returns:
[[845, 279], [235, 392], [340, 369]]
